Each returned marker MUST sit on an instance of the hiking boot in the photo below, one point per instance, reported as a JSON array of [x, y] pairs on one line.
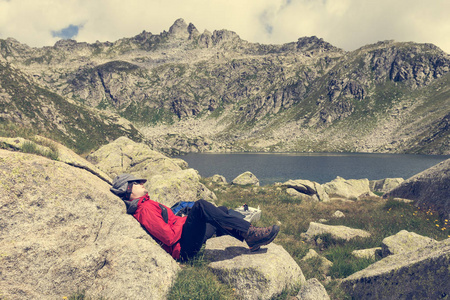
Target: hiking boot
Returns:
[[260, 236]]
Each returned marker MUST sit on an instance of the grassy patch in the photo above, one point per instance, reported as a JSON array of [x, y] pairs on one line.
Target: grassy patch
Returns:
[[381, 217]]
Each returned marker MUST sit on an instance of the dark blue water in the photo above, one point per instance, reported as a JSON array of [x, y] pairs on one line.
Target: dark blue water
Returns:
[[319, 167]]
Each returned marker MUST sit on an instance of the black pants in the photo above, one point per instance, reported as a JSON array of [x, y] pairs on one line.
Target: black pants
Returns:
[[203, 218]]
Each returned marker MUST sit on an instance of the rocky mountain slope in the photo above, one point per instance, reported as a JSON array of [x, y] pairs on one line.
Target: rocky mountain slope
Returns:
[[190, 91]]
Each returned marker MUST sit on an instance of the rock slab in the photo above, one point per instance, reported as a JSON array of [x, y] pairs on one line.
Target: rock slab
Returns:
[[255, 275], [339, 232], [62, 231], [419, 274]]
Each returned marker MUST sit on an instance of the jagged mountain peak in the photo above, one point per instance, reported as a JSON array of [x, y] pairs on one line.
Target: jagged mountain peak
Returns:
[[179, 28]]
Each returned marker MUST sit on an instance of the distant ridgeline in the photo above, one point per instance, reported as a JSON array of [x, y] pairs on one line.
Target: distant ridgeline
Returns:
[[186, 91]]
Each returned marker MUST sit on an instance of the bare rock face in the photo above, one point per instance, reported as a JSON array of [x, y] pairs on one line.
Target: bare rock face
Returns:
[[340, 232], [255, 275], [419, 274], [246, 178], [62, 231], [404, 241], [167, 182], [430, 188]]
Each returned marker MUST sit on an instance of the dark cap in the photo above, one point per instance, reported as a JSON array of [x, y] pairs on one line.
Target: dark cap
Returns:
[[120, 184]]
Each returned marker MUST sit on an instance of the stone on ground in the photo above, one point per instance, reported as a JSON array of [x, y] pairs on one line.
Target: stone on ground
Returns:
[[423, 273], [246, 178], [404, 241], [255, 275], [347, 189], [313, 290], [338, 232]]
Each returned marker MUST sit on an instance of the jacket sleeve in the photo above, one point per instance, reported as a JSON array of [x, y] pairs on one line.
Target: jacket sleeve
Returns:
[[152, 220]]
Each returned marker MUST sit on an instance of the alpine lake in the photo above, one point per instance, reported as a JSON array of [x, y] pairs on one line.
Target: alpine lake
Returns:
[[319, 167]]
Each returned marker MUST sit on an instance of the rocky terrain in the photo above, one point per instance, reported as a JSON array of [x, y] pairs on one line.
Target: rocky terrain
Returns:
[[187, 91], [64, 231]]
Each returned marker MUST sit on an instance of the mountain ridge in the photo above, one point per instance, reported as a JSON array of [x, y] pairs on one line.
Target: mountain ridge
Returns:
[[190, 91]]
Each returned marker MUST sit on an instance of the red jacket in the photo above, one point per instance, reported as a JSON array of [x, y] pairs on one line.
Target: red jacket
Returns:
[[164, 226]]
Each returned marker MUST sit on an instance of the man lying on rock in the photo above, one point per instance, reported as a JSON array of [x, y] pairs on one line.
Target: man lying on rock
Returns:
[[182, 237]]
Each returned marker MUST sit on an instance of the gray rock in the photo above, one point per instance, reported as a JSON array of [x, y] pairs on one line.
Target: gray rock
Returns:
[[219, 179], [347, 189], [340, 232], [404, 241], [64, 231], [167, 182], [384, 185], [255, 275], [181, 163], [326, 264], [301, 196], [309, 188], [371, 253], [313, 290], [183, 185], [246, 178], [64, 154], [338, 214], [423, 273], [429, 188]]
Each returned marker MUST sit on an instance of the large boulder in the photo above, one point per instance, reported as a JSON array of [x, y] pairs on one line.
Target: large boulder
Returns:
[[347, 188], [167, 182], [311, 189], [404, 241], [246, 178], [63, 231], [336, 231], [255, 275], [183, 185], [419, 274], [430, 188]]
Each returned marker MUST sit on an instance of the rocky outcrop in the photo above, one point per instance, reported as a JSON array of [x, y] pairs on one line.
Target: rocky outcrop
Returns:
[[63, 231], [419, 274], [255, 275], [347, 188], [404, 241], [306, 190], [429, 189], [167, 182], [246, 178], [240, 96], [337, 232]]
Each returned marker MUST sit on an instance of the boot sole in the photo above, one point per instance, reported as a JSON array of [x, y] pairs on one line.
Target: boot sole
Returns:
[[256, 247]]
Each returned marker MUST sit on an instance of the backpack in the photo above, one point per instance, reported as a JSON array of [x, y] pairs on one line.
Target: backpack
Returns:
[[182, 208]]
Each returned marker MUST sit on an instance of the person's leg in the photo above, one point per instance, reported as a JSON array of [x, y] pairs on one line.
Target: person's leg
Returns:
[[201, 214], [204, 212]]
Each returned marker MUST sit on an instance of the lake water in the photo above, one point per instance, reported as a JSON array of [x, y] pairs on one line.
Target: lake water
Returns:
[[319, 167]]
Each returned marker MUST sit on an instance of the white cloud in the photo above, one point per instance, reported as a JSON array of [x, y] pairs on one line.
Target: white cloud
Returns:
[[348, 24]]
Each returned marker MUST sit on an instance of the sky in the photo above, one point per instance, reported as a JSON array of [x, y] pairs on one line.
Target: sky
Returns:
[[347, 24]]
